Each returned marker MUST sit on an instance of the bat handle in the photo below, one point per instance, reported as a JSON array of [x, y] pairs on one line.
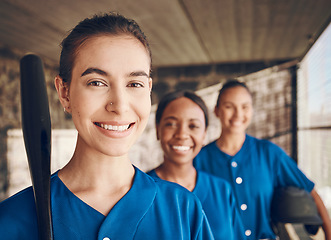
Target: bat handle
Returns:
[[36, 126]]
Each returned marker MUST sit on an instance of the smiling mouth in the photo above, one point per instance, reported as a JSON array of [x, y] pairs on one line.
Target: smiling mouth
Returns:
[[118, 128], [181, 148], [236, 123]]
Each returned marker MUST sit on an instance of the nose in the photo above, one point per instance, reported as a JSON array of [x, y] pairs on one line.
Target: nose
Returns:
[[238, 112], [118, 100], [182, 132]]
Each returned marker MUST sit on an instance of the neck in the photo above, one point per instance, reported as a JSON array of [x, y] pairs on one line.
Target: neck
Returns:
[[231, 143], [185, 174], [90, 169], [97, 179]]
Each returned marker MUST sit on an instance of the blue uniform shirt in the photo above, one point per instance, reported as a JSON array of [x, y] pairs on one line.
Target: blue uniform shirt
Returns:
[[151, 209], [253, 172], [219, 204]]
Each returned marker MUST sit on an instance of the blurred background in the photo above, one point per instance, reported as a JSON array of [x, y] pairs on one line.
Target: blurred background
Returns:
[[280, 48]]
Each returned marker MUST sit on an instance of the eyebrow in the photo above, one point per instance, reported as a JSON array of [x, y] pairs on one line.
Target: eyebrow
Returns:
[[94, 70], [174, 118], [244, 103], [170, 118], [103, 73], [138, 74]]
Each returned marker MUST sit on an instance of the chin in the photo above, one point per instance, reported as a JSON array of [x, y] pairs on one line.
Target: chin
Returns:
[[237, 130], [117, 151]]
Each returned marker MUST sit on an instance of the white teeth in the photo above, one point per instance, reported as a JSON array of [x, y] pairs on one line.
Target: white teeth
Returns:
[[181, 148], [115, 128]]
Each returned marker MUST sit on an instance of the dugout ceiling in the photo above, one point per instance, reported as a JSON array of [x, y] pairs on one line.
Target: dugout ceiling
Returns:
[[181, 32]]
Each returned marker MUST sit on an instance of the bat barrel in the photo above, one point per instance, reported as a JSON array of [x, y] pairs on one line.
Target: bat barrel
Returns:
[[36, 125]]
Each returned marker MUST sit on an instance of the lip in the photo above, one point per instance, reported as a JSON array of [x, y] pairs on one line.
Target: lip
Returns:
[[180, 148], [236, 123], [115, 129]]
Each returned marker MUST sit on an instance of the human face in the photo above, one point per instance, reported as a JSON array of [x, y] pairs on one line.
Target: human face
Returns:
[[109, 94], [181, 131], [235, 110]]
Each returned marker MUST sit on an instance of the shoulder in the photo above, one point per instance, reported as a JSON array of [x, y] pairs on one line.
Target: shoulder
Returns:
[[211, 145], [161, 186], [164, 186], [170, 194], [152, 173], [210, 148], [18, 214], [20, 201], [174, 189], [19, 210], [263, 144]]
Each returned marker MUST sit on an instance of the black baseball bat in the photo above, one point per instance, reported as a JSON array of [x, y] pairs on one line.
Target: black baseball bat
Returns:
[[36, 125]]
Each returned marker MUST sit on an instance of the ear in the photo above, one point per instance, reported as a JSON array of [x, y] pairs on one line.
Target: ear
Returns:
[[62, 89], [150, 84], [157, 132], [216, 111]]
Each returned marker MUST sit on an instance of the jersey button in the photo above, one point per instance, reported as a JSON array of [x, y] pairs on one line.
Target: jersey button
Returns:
[[239, 180], [234, 164], [243, 207], [106, 238], [248, 232]]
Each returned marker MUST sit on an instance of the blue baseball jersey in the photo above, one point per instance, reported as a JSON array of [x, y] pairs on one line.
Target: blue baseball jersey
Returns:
[[219, 204], [151, 209], [253, 172]]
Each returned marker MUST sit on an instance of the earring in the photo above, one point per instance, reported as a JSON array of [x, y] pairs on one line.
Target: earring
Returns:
[[111, 103], [64, 109]]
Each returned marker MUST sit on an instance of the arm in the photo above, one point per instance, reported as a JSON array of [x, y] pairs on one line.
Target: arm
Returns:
[[323, 213]]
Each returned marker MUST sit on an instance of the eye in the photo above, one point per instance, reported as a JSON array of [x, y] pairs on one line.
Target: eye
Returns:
[[96, 83], [136, 85], [193, 126], [170, 124]]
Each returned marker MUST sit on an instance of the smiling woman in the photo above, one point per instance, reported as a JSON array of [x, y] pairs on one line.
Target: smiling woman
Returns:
[[104, 83], [253, 167], [106, 71], [181, 123]]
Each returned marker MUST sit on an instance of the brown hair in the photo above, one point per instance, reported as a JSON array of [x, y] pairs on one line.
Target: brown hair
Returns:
[[106, 24]]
